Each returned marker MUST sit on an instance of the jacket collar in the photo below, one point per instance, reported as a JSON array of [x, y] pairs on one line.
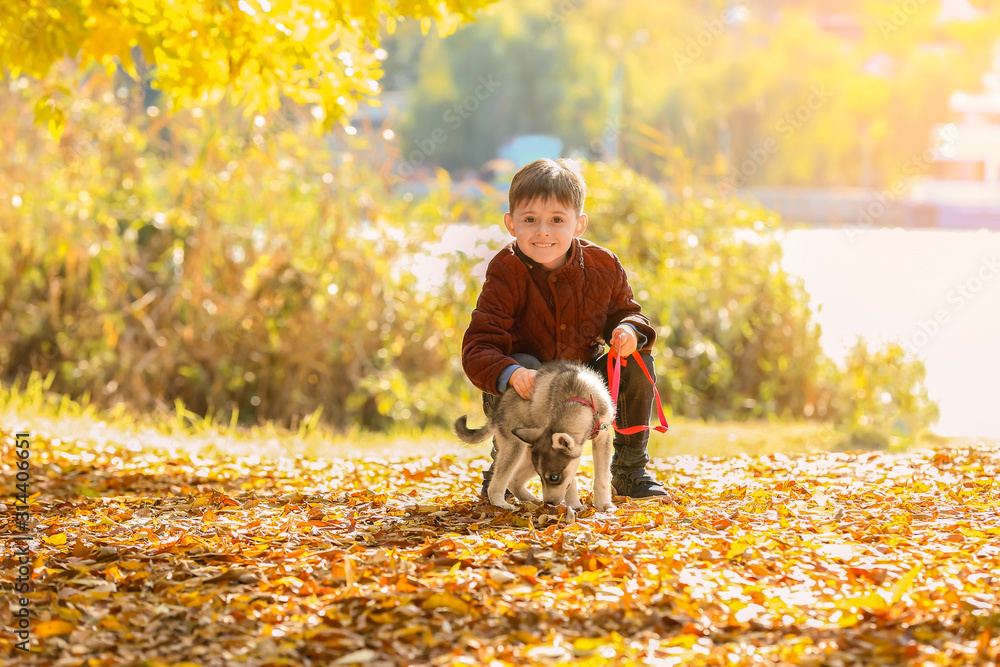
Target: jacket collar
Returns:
[[572, 265]]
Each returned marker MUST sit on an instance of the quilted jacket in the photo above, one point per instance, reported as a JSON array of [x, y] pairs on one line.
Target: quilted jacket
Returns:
[[567, 314]]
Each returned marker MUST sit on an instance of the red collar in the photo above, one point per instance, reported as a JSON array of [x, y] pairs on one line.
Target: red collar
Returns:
[[598, 426]]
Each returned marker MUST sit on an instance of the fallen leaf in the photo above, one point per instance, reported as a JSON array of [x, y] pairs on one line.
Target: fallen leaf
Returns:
[[53, 628], [446, 601]]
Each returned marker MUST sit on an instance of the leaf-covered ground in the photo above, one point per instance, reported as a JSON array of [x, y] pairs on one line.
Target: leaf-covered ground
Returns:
[[165, 558]]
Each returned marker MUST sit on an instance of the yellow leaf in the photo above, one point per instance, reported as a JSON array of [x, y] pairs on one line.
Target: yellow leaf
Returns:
[[903, 585], [111, 623], [57, 123], [739, 546], [291, 582], [872, 601], [844, 620], [446, 601], [526, 637], [406, 632], [55, 540], [588, 644], [53, 628]]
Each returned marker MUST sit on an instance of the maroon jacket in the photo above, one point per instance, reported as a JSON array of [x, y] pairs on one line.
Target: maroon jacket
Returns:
[[567, 314]]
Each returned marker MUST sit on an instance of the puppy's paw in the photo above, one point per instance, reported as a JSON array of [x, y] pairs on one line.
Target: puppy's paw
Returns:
[[606, 506], [503, 504], [575, 505]]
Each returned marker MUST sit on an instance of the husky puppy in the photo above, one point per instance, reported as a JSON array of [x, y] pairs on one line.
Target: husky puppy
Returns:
[[545, 436]]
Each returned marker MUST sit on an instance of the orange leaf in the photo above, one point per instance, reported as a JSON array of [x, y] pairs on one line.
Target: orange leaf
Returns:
[[131, 564], [54, 628]]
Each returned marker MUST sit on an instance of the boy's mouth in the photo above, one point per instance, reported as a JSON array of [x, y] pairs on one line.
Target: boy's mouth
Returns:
[[543, 245]]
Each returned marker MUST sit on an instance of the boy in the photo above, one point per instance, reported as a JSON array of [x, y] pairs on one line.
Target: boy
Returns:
[[550, 295]]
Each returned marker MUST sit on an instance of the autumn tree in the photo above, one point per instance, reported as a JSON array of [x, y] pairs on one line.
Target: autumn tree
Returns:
[[254, 52]]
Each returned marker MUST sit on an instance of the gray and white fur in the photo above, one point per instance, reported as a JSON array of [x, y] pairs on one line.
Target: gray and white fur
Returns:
[[545, 436]]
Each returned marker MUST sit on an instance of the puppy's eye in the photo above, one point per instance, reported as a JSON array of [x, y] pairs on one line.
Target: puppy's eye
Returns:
[[554, 477]]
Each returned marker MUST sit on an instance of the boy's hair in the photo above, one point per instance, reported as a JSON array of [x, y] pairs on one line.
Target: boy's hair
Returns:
[[549, 178]]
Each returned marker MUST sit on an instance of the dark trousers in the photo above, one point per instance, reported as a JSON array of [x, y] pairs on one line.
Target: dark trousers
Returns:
[[634, 408]]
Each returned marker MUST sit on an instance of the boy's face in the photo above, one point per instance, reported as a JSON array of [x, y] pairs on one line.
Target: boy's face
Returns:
[[544, 229]]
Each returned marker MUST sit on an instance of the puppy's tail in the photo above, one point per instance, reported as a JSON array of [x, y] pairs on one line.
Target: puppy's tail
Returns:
[[472, 436]]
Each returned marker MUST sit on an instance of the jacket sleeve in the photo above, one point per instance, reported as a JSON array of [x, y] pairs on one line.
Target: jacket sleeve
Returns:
[[623, 309], [487, 345]]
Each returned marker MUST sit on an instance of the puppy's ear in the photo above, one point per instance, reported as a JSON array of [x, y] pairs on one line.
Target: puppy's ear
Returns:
[[563, 442], [528, 435]]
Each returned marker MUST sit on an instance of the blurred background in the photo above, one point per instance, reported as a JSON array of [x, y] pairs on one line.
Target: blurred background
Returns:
[[806, 196]]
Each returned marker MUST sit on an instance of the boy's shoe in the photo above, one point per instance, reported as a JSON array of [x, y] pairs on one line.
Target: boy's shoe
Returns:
[[629, 476], [636, 484]]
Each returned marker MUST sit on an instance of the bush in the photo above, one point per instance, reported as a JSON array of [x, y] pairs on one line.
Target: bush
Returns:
[[884, 389], [259, 274], [269, 275], [736, 335], [737, 338]]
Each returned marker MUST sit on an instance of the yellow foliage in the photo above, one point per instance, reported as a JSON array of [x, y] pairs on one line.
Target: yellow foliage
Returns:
[[254, 51]]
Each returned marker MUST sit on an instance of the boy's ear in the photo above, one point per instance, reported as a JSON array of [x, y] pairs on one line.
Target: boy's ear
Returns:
[[581, 225], [508, 222]]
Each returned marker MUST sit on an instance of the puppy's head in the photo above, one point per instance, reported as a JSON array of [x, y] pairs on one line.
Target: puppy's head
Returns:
[[554, 456]]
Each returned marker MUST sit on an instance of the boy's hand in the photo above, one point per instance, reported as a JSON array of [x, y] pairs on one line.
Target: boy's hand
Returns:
[[626, 336], [523, 382]]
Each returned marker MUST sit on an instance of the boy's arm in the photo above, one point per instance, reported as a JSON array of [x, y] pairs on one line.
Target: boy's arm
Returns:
[[623, 309], [640, 339], [503, 381], [487, 344]]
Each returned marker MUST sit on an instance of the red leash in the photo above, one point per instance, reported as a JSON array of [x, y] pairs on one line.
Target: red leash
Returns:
[[615, 363]]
